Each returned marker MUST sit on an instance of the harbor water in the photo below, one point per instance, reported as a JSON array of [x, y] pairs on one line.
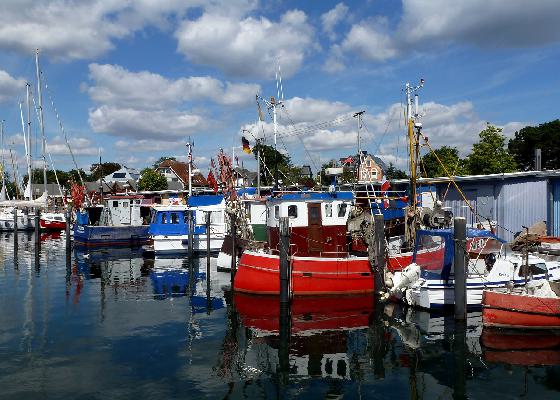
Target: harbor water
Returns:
[[114, 325]]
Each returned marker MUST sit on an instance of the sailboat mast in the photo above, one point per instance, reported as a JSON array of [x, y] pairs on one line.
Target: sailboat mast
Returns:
[[2, 146], [44, 142], [28, 154], [189, 147]]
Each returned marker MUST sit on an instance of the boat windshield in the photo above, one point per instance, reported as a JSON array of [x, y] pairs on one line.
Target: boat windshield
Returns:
[[430, 252]]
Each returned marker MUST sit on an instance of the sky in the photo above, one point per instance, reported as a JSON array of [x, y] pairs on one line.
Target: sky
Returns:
[[135, 80]]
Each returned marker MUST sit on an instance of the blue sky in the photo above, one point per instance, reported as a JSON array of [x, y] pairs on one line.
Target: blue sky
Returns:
[[137, 78]]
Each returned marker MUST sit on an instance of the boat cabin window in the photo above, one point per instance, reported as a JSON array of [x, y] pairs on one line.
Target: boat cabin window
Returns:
[[125, 204], [328, 210], [292, 211], [342, 210], [276, 212], [174, 218], [115, 204], [164, 218], [216, 217]]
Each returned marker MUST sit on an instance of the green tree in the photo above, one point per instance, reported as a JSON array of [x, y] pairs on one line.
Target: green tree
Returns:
[[489, 155], [103, 169], [150, 179], [270, 159], [395, 173], [449, 157], [545, 137], [162, 159]]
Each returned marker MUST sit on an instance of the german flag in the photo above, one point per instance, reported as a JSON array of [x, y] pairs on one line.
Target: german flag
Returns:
[[246, 147]]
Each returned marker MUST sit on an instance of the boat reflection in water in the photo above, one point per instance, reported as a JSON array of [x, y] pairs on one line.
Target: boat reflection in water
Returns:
[[525, 348]]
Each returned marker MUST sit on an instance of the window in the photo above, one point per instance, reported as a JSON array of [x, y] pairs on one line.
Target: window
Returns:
[[119, 175], [174, 179], [342, 210], [328, 210], [125, 204], [276, 212], [164, 218], [292, 211], [115, 204], [174, 218]]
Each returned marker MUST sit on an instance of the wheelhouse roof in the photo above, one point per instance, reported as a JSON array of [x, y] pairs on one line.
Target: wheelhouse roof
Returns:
[[312, 196], [205, 200]]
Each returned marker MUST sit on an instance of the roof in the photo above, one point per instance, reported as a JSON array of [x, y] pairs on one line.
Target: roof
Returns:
[[205, 200], [181, 169], [310, 196], [52, 189], [475, 178], [471, 233]]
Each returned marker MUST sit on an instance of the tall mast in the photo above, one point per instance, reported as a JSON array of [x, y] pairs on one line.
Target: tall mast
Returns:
[[258, 169], [2, 146], [412, 146], [41, 120], [189, 151], [28, 155]]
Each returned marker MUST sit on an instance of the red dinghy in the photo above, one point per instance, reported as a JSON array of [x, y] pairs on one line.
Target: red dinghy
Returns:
[[510, 310]]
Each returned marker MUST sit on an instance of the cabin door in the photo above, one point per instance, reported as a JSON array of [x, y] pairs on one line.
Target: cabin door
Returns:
[[314, 231]]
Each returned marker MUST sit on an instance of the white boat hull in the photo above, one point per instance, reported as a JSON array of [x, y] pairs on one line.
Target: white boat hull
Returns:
[[180, 244]]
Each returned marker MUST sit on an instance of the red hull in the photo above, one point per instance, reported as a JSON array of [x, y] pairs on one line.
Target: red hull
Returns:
[[52, 225], [518, 311], [308, 313], [259, 273]]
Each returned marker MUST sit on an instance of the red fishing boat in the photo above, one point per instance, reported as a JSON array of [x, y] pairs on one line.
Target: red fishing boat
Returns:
[[522, 310], [320, 261]]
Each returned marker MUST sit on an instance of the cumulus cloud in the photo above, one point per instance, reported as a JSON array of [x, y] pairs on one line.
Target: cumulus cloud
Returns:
[[247, 46], [333, 17], [116, 86], [80, 147], [430, 25], [144, 124], [10, 86]]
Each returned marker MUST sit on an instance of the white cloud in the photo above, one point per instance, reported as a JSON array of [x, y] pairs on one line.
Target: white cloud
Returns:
[[429, 25], [485, 23], [148, 145], [370, 40], [70, 29], [80, 147], [144, 124], [247, 46], [116, 86], [10, 87], [331, 18], [313, 110]]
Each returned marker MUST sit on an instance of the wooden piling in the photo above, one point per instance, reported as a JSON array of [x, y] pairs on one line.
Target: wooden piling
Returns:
[[190, 218], [379, 273], [37, 220], [459, 270], [233, 268], [284, 259], [15, 221], [68, 218]]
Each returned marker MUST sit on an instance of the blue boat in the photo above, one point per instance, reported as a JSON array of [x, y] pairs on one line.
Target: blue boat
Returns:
[[169, 228], [121, 222]]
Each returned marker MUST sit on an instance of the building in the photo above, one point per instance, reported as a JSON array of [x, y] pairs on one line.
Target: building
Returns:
[[123, 175], [508, 201], [177, 175], [370, 169]]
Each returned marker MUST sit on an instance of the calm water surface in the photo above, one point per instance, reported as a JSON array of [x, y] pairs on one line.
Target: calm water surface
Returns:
[[113, 325]]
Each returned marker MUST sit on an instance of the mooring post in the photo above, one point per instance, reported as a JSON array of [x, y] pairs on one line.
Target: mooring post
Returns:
[[190, 219], [208, 295], [284, 259], [459, 267], [460, 360], [37, 220], [68, 218], [283, 349], [15, 232], [233, 249], [379, 273]]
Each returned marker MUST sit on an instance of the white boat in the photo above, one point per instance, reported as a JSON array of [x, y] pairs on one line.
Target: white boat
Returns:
[[25, 222], [169, 226], [430, 284]]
